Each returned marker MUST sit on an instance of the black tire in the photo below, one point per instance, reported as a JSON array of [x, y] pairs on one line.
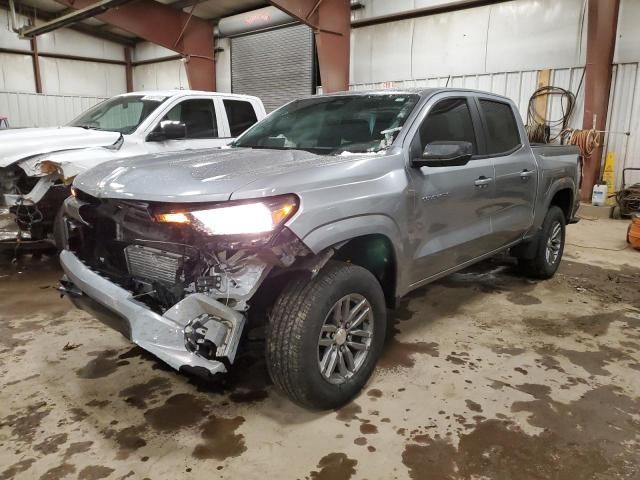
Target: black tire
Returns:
[[58, 236], [294, 330], [540, 266]]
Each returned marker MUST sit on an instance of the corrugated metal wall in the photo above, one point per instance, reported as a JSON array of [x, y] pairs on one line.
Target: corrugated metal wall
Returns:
[[166, 75], [377, 8], [162, 75], [69, 86], [514, 36], [518, 86], [624, 116], [31, 110]]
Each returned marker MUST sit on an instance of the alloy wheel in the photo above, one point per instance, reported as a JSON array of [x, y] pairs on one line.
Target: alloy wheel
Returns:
[[345, 338], [554, 243]]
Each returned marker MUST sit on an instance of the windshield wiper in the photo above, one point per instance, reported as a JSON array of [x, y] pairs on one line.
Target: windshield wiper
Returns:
[[323, 150], [88, 127], [260, 147]]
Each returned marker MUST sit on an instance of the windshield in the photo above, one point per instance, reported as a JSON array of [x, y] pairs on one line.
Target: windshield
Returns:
[[120, 114], [333, 125]]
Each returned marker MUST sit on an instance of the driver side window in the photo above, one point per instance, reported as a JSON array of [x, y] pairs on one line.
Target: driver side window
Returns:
[[198, 115], [448, 120]]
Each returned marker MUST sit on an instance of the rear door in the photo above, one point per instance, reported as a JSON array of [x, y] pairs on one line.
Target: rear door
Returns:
[[239, 115], [516, 170], [452, 222]]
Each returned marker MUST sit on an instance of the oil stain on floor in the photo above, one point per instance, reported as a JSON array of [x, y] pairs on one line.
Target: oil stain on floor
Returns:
[[484, 375]]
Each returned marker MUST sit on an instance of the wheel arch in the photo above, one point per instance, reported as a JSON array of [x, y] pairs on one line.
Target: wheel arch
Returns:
[[547, 195], [375, 253], [563, 198], [371, 241]]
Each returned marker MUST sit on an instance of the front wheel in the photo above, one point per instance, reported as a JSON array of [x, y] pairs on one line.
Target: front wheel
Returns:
[[326, 334], [58, 228], [549, 249]]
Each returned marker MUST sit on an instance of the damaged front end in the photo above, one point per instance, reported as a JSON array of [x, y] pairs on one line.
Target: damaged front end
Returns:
[[33, 189], [29, 202], [177, 280]]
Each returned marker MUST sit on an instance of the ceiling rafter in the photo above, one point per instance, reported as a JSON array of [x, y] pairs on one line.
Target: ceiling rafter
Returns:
[[72, 18], [97, 32]]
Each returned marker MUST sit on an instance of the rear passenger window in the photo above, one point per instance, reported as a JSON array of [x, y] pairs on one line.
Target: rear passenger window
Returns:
[[449, 120], [241, 116], [502, 129]]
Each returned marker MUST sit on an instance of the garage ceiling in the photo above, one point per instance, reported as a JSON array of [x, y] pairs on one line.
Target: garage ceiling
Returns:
[[211, 10]]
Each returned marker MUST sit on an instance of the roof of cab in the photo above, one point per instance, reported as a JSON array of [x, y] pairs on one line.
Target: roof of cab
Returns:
[[423, 92], [184, 93]]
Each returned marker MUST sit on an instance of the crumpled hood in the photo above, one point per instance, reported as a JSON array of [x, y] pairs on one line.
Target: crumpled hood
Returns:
[[19, 143], [194, 176]]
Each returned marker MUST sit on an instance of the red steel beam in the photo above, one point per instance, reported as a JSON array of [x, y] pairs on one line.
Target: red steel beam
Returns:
[[166, 26], [331, 24], [601, 42], [36, 65], [74, 57], [128, 69]]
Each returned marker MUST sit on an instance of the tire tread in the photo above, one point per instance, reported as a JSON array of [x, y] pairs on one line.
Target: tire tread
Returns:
[[288, 324], [537, 267]]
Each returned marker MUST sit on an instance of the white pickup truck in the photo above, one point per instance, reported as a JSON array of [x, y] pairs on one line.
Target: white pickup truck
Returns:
[[37, 165]]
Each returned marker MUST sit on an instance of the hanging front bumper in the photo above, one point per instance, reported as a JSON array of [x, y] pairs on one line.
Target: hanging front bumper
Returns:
[[170, 336]]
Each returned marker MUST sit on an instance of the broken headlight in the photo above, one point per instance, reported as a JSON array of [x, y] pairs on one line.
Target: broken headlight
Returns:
[[235, 218]]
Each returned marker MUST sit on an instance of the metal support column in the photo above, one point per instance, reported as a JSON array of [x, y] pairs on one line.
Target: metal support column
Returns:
[[36, 65], [601, 42], [331, 23], [128, 68]]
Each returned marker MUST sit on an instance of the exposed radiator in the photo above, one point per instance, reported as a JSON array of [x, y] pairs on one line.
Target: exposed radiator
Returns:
[[153, 264]]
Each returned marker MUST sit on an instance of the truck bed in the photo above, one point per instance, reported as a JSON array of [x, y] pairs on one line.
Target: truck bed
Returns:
[[547, 150]]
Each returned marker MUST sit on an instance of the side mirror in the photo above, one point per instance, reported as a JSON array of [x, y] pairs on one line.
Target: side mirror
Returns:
[[168, 130], [445, 154]]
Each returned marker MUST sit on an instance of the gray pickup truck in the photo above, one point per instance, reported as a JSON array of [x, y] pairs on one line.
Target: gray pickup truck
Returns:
[[311, 224]]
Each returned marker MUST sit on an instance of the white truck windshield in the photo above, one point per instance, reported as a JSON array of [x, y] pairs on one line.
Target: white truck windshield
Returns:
[[119, 114]]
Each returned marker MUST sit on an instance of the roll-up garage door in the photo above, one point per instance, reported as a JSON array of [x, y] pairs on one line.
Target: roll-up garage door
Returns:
[[275, 65]]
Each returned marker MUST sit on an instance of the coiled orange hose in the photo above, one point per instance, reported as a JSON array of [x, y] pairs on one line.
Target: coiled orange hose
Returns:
[[586, 140]]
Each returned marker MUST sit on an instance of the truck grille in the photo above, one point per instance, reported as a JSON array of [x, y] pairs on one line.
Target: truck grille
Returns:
[[153, 264]]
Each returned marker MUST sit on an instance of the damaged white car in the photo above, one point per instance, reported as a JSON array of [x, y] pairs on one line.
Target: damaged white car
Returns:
[[37, 165]]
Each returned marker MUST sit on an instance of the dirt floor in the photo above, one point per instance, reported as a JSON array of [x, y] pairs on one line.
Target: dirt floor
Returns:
[[487, 375]]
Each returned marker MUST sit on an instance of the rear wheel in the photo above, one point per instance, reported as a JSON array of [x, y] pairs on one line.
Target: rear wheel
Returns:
[[325, 335], [549, 249]]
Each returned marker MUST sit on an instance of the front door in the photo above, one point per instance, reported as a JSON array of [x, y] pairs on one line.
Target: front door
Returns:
[[452, 218], [204, 130], [516, 168]]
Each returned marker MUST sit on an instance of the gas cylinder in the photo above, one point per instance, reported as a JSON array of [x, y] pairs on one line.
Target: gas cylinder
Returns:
[[633, 234]]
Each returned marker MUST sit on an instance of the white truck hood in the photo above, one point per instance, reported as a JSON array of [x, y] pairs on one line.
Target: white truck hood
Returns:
[[20, 143]]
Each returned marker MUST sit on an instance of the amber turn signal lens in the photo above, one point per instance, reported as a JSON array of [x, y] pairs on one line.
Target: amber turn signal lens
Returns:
[[173, 218], [282, 213]]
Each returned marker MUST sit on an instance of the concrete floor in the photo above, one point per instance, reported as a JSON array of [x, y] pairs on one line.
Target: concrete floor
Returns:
[[488, 376]]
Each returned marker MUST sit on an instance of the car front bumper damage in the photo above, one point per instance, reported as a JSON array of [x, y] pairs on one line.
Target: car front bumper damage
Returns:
[[178, 337]]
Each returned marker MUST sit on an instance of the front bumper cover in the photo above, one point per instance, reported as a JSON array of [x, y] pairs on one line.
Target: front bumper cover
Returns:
[[161, 335]]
